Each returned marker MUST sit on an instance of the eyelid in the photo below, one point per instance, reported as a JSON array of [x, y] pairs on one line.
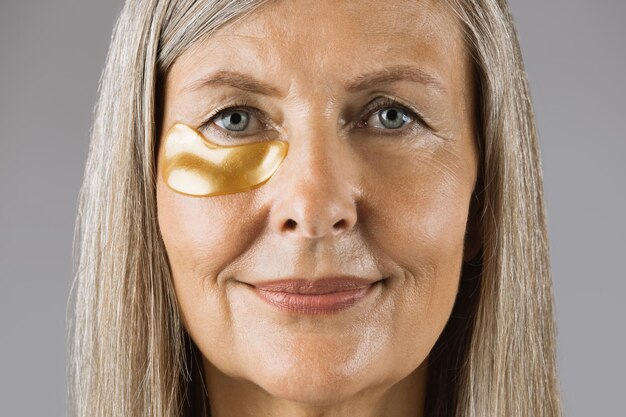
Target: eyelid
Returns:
[[238, 105]]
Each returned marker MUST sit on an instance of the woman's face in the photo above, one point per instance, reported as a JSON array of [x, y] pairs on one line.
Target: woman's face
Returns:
[[375, 100]]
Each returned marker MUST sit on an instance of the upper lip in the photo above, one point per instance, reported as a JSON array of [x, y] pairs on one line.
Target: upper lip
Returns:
[[317, 286]]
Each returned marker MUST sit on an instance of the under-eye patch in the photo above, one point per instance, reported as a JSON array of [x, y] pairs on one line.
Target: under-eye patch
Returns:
[[192, 165]]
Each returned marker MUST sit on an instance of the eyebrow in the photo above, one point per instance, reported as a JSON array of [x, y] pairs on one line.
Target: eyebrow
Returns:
[[395, 73], [362, 82], [234, 79]]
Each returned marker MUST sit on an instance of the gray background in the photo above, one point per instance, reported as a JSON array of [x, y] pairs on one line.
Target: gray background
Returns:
[[51, 55]]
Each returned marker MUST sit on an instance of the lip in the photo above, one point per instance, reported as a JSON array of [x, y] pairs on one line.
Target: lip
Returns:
[[322, 296]]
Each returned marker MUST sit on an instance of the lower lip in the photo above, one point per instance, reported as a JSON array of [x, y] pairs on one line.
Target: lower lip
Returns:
[[315, 303]]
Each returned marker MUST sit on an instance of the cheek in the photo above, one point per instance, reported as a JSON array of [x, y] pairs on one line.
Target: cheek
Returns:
[[206, 232], [194, 231], [197, 234], [419, 207], [418, 218]]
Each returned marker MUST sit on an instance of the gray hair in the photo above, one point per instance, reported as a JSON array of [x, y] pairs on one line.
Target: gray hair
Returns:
[[130, 355]]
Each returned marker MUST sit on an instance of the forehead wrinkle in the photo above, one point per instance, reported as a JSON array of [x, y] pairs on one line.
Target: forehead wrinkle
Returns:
[[262, 35], [243, 36], [282, 22]]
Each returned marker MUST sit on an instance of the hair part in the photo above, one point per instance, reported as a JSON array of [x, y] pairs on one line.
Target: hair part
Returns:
[[130, 355]]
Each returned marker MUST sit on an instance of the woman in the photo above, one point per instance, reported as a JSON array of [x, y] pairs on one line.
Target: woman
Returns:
[[322, 208]]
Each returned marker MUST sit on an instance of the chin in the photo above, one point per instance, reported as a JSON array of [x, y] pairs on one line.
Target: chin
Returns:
[[309, 382], [310, 391]]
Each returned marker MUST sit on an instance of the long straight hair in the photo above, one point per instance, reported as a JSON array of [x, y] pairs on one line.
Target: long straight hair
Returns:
[[130, 355]]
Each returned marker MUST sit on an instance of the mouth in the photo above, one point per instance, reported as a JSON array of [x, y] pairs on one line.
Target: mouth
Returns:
[[323, 296]]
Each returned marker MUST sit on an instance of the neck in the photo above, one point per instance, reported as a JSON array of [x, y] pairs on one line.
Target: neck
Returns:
[[238, 397]]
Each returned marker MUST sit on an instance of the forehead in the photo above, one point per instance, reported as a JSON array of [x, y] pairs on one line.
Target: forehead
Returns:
[[331, 39]]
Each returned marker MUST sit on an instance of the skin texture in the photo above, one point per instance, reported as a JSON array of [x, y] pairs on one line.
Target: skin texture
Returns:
[[352, 197]]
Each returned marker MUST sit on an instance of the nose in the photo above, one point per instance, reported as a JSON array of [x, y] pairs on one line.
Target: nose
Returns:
[[316, 193]]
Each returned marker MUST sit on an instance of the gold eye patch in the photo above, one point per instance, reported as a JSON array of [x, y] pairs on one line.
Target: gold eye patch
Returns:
[[194, 166]]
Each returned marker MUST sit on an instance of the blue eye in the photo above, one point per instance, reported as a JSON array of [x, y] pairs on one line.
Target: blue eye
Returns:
[[393, 117], [385, 115], [235, 120], [382, 115]]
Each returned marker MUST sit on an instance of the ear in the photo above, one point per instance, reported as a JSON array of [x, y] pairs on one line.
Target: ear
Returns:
[[473, 230]]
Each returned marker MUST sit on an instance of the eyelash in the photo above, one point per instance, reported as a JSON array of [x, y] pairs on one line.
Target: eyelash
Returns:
[[379, 103], [237, 105], [382, 102]]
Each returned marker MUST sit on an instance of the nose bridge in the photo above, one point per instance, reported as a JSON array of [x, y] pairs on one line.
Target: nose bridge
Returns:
[[317, 193]]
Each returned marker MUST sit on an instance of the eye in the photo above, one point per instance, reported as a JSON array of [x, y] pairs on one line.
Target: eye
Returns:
[[235, 120], [387, 114], [392, 117]]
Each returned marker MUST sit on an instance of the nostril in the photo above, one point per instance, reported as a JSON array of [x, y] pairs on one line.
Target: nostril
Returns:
[[340, 224], [290, 224], [314, 230]]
